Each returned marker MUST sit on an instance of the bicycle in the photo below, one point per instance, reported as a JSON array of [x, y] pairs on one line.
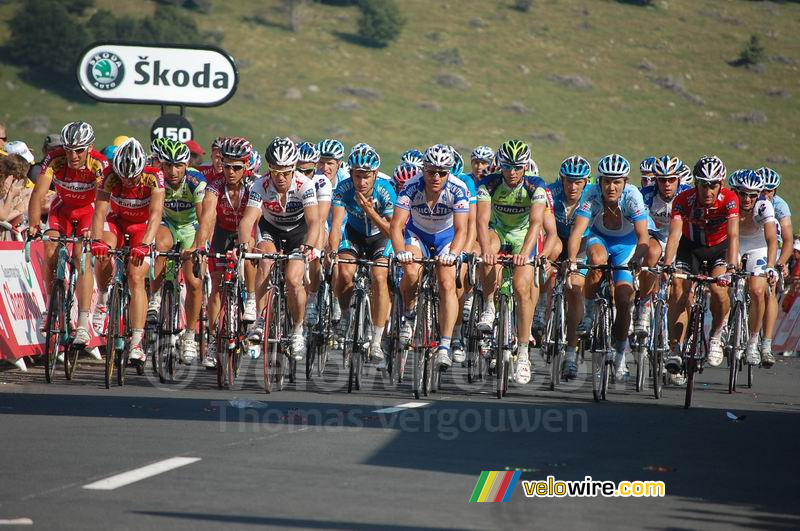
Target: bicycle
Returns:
[[58, 324], [476, 362], [165, 355], [555, 337], [641, 344], [398, 353], [118, 333], [357, 355], [426, 330], [320, 333], [658, 340]]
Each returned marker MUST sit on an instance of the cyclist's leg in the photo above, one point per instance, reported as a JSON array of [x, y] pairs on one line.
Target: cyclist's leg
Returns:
[[381, 299], [596, 254], [489, 282], [720, 298], [343, 283], [757, 287], [103, 269], [680, 293], [411, 272], [136, 286], [648, 281], [165, 238], [85, 281], [56, 224]]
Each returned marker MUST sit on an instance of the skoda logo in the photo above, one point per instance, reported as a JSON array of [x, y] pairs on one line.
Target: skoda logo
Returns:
[[105, 70]]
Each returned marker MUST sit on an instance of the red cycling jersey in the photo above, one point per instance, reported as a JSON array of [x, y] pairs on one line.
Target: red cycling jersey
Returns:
[[209, 173], [74, 188], [706, 226], [228, 216], [131, 204]]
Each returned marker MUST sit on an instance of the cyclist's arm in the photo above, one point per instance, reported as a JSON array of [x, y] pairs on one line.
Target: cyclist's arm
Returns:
[[248, 221], [771, 234], [534, 228], [674, 238], [484, 216], [472, 229], [461, 228], [733, 240], [551, 231], [37, 198], [397, 227], [101, 206], [324, 209], [335, 237], [642, 240], [575, 237], [207, 214], [156, 211], [311, 213], [788, 240]]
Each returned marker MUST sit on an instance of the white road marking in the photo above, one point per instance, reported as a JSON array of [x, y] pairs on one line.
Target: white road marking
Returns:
[[17, 521], [138, 474], [401, 407]]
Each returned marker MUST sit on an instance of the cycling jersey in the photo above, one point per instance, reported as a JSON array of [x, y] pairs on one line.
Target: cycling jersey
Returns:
[[471, 188], [660, 210], [180, 204], [433, 226], [209, 173], [323, 186], [511, 208], [75, 188], [564, 219], [383, 201], [781, 211], [706, 225], [284, 214], [228, 216], [131, 203], [631, 207]]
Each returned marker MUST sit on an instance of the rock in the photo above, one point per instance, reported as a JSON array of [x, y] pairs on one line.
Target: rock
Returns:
[[740, 146], [720, 16], [646, 65], [292, 93], [450, 56], [752, 117], [336, 132], [313, 88], [675, 85], [517, 107], [430, 106], [361, 92], [249, 96], [478, 23], [782, 59], [10, 85], [779, 159], [572, 81], [456, 81], [550, 136], [347, 105], [524, 69], [778, 93]]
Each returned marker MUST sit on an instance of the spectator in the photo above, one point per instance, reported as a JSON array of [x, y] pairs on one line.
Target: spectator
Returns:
[[196, 157], [51, 142], [18, 147], [3, 137], [14, 195]]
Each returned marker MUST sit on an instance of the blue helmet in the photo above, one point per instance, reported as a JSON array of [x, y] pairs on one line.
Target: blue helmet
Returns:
[[772, 179], [646, 166], [364, 158], [458, 167], [331, 148], [308, 152], [749, 180], [254, 164], [412, 156], [575, 168], [613, 166], [666, 166]]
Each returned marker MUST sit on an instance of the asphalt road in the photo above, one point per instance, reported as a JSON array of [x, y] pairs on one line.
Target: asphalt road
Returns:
[[316, 457]]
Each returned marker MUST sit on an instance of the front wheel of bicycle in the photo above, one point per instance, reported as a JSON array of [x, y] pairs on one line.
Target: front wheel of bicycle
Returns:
[[56, 328]]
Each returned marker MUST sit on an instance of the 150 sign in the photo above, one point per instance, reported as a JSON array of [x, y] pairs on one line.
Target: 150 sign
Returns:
[[129, 73]]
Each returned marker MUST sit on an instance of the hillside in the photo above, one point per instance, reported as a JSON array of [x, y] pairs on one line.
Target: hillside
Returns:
[[568, 76]]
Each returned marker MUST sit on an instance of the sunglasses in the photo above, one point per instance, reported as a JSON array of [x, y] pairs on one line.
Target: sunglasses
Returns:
[[280, 173], [307, 171], [750, 195], [668, 179], [437, 173], [3, 138], [510, 167], [77, 151], [234, 167]]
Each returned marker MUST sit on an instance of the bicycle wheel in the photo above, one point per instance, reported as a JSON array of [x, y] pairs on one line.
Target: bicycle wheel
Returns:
[[556, 340], [397, 352], [473, 339], [642, 367], [55, 326], [691, 354], [121, 358], [232, 336], [597, 347], [112, 333], [165, 346], [734, 341], [269, 341], [501, 367], [202, 324], [608, 361], [355, 345], [420, 337], [659, 347]]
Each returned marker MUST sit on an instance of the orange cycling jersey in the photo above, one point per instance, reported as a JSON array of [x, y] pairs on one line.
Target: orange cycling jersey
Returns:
[[131, 202], [75, 188]]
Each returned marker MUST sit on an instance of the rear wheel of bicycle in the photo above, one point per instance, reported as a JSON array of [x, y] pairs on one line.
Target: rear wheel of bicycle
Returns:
[[116, 333], [164, 346], [556, 340], [269, 341], [658, 349], [501, 367], [734, 341], [232, 350], [691, 355], [608, 363], [55, 326], [597, 348], [642, 366]]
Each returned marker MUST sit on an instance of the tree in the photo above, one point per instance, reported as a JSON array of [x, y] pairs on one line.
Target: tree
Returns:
[[753, 53], [381, 21]]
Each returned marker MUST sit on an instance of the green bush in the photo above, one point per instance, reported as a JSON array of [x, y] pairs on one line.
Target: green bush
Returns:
[[523, 5], [380, 22], [753, 53]]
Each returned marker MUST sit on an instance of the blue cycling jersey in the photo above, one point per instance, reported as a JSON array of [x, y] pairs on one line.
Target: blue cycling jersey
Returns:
[[471, 188], [436, 223], [631, 204], [383, 200], [564, 220]]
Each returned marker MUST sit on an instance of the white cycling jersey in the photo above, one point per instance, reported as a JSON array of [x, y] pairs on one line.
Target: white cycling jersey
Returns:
[[284, 214]]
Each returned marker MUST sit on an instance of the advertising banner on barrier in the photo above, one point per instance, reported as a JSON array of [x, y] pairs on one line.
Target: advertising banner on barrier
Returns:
[[22, 302], [787, 335]]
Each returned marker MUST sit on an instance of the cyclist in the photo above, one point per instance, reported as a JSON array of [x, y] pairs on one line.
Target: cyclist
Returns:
[[646, 171], [568, 192], [618, 236], [284, 203], [414, 157], [184, 191], [75, 169], [480, 159], [658, 199], [214, 171], [135, 194], [221, 212], [511, 210], [758, 241], [403, 173], [431, 220], [368, 203], [308, 158], [330, 160], [704, 228], [784, 217]]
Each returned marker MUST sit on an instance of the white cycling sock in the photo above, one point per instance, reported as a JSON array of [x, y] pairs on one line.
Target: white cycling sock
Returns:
[[522, 352], [377, 334], [572, 353], [102, 297], [83, 319], [753, 340], [136, 336], [298, 329], [445, 342], [251, 296]]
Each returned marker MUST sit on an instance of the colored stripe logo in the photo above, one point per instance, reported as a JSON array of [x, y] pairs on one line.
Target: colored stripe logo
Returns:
[[495, 486]]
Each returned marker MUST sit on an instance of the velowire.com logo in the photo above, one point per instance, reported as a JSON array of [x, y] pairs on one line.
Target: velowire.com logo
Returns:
[[105, 70]]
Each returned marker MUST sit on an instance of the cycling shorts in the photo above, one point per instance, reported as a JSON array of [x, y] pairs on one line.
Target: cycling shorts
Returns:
[[691, 255], [369, 247], [756, 251], [620, 250], [183, 234], [511, 242], [581, 255], [285, 241], [61, 216], [120, 228]]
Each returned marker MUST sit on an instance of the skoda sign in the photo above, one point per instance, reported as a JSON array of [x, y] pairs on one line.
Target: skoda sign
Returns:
[[201, 76]]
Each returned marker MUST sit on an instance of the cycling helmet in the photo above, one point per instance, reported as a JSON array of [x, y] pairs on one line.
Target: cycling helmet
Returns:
[[254, 164], [282, 152], [514, 153], [174, 152], [484, 153], [108, 151], [771, 178], [217, 143], [575, 168], [308, 152], [709, 169], [364, 158], [685, 174], [439, 156], [412, 156], [613, 166], [118, 141], [532, 168], [76, 135], [403, 173], [359, 146], [646, 166], [157, 148], [666, 166], [331, 148], [749, 180], [129, 159], [236, 148], [458, 167]]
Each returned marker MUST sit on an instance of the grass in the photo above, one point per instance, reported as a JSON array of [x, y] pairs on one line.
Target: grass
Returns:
[[511, 59]]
